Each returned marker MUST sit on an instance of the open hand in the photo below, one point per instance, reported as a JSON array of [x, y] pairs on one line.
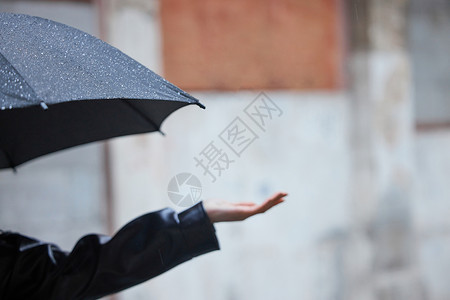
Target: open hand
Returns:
[[224, 211]]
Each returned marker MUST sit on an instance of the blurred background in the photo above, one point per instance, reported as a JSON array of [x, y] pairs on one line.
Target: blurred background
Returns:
[[359, 139]]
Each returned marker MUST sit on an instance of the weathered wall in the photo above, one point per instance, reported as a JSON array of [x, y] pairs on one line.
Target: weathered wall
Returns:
[[304, 151], [381, 258], [253, 44], [430, 210], [429, 43], [298, 245], [349, 160]]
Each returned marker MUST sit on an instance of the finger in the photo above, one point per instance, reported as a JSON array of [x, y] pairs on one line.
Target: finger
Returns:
[[253, 209], [278, 195], [268, 204], [273, 203], [274, 200]]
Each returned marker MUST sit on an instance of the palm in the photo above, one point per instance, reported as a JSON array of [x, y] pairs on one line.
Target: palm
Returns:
[[223, 211]]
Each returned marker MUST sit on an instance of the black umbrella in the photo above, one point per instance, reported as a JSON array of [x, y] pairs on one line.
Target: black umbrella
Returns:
[[61, 87]]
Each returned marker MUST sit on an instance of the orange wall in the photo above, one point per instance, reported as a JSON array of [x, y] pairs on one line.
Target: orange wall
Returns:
[[251, 44]]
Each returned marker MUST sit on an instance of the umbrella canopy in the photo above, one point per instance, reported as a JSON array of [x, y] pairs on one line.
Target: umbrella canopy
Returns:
[[61, 87]]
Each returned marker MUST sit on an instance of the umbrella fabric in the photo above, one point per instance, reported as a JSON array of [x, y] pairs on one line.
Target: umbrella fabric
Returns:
[[61, 87]]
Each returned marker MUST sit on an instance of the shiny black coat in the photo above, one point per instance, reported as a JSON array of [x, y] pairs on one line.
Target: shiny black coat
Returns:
[[100, 265]]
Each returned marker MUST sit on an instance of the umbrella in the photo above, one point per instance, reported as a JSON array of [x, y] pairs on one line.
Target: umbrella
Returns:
[[61, 87]]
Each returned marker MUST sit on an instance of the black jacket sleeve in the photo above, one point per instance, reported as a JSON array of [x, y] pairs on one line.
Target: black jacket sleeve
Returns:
[[100, 265]]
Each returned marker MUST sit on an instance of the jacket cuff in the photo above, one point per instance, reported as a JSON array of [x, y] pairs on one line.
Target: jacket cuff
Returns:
[[198, 231]]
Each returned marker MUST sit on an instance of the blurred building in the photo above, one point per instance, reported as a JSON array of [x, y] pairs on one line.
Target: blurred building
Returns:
[[356, 129]]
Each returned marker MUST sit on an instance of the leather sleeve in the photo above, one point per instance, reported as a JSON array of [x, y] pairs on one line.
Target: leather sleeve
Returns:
[[101, 265]]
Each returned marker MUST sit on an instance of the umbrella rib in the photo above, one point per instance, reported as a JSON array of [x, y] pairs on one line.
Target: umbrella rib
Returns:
[[25, 82], [10, 161], [183, 93], [143, 116]]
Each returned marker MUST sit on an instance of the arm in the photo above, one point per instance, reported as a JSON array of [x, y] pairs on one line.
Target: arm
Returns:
[[100, 265]]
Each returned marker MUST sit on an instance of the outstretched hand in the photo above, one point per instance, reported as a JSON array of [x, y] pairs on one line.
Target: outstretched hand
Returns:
[[224, 211]]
